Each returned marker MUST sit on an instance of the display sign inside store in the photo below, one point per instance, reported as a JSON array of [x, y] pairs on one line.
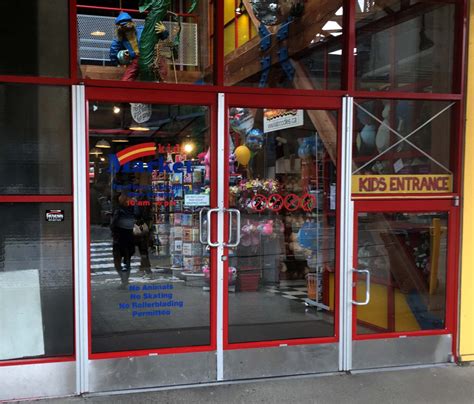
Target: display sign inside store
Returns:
[[401, 184], [278, 119]]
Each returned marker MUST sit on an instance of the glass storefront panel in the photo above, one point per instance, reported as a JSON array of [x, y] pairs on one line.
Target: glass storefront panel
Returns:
[[153, 41], [150, 274], [405, 45], [290, 44], [406, 254], [402, 146], [283, 181], [35, 133], [35, 38], [36, 280]]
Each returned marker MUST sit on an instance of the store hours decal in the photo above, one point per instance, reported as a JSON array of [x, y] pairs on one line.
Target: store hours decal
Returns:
[[151, 301]]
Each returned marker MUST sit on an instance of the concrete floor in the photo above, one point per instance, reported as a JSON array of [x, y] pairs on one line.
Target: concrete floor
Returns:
[[443, 384]]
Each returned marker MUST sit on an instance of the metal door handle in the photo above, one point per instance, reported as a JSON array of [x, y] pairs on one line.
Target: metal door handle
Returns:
[[201, 240], [237, 241], [209, 241], [367, 287]]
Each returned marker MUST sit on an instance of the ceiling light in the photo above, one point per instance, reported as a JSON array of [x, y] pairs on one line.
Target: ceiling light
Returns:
[[332, 26], [95, 151], [94, 107], [116, 109], [139, 128], [340, 11], [103, 144], [120, 140], [188, 148], [98, 33]]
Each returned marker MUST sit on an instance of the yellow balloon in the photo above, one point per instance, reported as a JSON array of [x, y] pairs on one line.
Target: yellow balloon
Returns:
[[242, 155]]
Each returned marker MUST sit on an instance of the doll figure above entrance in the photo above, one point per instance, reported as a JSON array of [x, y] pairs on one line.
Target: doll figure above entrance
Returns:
[[161, 41], [283, 182]]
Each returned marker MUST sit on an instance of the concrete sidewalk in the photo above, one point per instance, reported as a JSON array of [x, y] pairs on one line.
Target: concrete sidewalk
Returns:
[[446, 384]]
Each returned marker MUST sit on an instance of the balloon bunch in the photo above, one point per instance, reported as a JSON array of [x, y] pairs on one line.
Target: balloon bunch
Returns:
[[241, 122]]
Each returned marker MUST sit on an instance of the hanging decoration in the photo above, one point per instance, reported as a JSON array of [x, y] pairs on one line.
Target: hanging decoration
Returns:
[[241, 120], [242, 155], [254, 139], [273, 12]]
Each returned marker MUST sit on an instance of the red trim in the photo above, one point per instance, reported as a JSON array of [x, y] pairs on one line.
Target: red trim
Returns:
[[150, 352], [349, 44], [37, 361], [281, 343], [269, 101], [218, 44], [36, 198], [413, 206], [264, 101], [36, 80], [73, 41], [127, 10], [162, 97], [424, 333], [400, 95]]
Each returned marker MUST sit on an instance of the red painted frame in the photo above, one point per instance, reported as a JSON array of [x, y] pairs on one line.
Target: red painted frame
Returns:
[[121, 92], [309, 103], [153, 97], [416, 206]]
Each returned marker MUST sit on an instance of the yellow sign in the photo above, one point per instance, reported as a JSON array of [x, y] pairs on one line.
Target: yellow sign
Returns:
[[401, 184]]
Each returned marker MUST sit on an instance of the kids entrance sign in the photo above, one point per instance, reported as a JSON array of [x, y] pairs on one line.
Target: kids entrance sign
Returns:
[[402, 184]]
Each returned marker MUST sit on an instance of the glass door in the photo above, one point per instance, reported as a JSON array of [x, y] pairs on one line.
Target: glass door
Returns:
[[151, 269], [281, 264], [403, 283]]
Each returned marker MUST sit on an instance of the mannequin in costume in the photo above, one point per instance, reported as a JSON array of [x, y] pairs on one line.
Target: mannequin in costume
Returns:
[[124, 49]]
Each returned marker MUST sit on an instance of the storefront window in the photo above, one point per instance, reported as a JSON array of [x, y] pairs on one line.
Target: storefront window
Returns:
[[406, 254], [149, 179], [35, 38], [35, 128], [154, 41], [402, 146], [283, 181], [36, 281], [292, 44], [405, 45]]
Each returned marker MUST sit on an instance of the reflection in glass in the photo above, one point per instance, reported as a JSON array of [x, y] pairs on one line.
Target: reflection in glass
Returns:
[[297, 44], [405, 45], [35, 38], [35, 133], [152, 42], [402, 137], [406, 255], [149, 179], [36, 281], [283, 181]]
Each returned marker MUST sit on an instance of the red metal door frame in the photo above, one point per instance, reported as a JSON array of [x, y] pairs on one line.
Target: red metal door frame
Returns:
[[110, 94], [294, 101], [416, 206]]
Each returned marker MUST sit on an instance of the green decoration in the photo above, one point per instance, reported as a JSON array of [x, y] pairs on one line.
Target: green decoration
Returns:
[[157, 11]]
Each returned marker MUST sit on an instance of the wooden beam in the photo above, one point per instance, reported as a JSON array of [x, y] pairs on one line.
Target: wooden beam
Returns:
[[322, 120], [116, 73], [245, 60]]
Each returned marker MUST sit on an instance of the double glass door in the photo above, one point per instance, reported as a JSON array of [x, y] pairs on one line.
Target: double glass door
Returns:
[[215, 242]]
